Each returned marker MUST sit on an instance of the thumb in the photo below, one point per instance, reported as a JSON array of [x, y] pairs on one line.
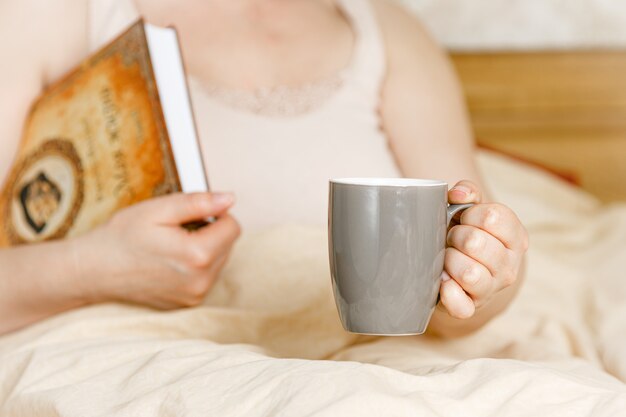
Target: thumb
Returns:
[[180, 208], [464, 192]]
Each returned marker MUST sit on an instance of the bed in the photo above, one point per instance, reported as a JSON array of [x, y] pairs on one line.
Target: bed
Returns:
[[565, 111], [267, 340]]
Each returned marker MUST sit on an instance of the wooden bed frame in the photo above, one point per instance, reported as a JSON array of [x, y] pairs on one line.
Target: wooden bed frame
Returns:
[[564, 110]]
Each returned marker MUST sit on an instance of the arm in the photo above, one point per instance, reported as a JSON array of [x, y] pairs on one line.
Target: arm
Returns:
[[39, 41], [33, 50], [424, 116], [142, 255], [37, 281]]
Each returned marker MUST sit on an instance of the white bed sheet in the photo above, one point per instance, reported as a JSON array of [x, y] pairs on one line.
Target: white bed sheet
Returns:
[[267, 342]]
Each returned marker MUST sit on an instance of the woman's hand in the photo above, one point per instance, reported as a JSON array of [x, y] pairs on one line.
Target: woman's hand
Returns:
[[143, 255], [485, 254]]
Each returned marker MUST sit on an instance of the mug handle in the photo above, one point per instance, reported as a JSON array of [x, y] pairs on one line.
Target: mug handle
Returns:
[[455, 208]]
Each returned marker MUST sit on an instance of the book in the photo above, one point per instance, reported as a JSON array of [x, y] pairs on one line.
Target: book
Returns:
[[116, 130]]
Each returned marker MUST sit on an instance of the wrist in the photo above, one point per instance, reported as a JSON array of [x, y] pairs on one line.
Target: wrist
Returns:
[[86, 269]]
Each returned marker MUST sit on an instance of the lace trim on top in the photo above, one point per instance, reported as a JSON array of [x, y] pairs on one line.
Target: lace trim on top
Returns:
[[279, 101]]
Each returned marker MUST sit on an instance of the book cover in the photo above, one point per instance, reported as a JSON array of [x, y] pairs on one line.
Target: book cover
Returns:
[[93, 143]]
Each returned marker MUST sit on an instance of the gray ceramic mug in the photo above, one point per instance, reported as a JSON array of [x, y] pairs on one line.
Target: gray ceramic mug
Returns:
[[387, 239]]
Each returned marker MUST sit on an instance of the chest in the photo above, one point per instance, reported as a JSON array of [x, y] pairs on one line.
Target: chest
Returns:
[[257, 44]]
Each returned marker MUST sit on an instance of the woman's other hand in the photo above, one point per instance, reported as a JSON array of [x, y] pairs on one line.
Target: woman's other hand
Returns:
[[143, 255], [485, 253]]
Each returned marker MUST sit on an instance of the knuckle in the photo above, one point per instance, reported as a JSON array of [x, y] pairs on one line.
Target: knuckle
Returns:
[[471, 275], [199, 258], [491, 215], [474, 241], [195, 291], [509, 276]]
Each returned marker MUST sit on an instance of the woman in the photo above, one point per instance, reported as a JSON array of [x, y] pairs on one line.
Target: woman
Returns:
[[286, 95]]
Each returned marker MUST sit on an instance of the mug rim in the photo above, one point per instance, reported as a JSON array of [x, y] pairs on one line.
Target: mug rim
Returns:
[[388, 182]]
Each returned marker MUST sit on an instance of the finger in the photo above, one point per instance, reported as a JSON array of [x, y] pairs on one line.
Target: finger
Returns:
[[499, 221], [199, 285], [180, 208], [473, 277], [214, 271], [202, 248], [225, 229], [454, 299], [464, 192], [480, 246]]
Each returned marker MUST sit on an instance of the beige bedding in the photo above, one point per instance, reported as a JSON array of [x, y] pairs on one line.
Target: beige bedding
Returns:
[[267, 342]]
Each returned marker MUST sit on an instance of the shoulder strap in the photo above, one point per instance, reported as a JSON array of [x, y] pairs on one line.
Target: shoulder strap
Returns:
[[368, 64]]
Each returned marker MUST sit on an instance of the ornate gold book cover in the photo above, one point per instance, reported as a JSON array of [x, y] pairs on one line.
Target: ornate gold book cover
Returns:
[[93, 142]]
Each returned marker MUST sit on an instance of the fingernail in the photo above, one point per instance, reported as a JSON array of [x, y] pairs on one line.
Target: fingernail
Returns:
[[222, 199], [465, 190], [445, 277]]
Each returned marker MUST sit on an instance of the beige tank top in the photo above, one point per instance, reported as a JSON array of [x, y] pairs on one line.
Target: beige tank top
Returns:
[[276, 149]]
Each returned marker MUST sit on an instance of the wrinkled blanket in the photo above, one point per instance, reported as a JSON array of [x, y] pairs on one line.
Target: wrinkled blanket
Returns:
[[267, 341]]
